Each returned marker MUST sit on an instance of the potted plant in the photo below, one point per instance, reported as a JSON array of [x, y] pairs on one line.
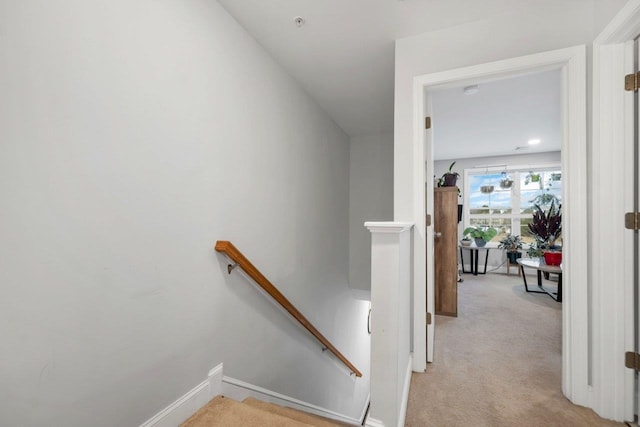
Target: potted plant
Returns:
[[486, 189], [449, 178], [506, 181], [481, 235], [465, 241], [511, 243], [532, 177], [545, 199], [547, 228], [534, 250]]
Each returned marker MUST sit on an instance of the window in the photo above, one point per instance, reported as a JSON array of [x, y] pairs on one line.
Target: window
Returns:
[[504, 198]]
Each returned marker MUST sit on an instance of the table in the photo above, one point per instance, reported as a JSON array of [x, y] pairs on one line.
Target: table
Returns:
[[541, 267], [474, 253]]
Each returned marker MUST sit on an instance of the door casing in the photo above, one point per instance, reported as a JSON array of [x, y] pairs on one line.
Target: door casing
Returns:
[[611, 246], [572, 63]]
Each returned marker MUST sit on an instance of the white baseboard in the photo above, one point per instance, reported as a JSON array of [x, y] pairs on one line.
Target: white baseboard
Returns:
[[240, 390], [405, 392], [187, 405], [217, 384], [373, 422]]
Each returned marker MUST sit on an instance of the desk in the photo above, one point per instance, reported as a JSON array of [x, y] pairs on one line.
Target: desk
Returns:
[[474, 253], [541, 267]]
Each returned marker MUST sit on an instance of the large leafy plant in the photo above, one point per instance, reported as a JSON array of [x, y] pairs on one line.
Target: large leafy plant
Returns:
[[484, 233], [547, 226]]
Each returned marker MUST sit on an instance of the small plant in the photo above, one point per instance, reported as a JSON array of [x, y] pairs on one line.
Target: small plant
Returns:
[[465, 241], [511, 243], [535, 250], [449, 178], [545, 199], [505, 181], [532, 177]]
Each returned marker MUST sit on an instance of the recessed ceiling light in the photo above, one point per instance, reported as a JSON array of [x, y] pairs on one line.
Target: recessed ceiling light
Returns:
[[533, 141], [299, 21], [471, 90]]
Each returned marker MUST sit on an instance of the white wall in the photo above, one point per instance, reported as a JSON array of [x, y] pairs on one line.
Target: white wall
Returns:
[[536, 28], [133, 136], [370, 199]]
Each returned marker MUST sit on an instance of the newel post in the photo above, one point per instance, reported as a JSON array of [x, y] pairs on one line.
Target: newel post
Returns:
[[390, 322]]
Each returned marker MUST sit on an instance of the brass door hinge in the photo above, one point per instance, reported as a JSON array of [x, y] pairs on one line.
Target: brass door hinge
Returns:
[[632, 220], [428, 318], [632, 82], [427, 122], [632, 360]]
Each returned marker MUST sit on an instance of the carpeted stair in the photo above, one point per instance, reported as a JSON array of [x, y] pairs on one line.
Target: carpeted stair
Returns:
[[225, 412]]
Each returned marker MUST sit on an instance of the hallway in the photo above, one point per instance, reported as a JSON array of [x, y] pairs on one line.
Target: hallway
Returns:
[[498, 363]]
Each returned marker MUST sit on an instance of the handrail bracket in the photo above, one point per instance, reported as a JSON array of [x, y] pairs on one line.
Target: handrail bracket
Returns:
[[231, 267]]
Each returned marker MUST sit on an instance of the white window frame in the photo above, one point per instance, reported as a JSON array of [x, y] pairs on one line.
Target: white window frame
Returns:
[[515, 195]]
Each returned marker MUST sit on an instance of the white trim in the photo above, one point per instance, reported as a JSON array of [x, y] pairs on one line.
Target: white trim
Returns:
[[240, 390], [187, 405], [572, 62], [372, 422], [575, 314], [423, 237], [405, 393], [611, 245], [623, 27], [387, 226]]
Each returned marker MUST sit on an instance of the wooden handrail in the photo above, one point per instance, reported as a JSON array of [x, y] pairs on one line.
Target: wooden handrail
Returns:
[[235, 255]]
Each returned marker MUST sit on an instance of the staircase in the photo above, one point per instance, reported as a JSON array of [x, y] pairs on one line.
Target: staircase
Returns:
[[225, 412]]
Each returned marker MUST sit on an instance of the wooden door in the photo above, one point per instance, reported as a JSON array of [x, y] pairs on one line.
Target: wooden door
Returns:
[[445, 224]]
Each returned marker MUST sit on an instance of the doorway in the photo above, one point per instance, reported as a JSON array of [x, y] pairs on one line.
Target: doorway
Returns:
[[572, 65]]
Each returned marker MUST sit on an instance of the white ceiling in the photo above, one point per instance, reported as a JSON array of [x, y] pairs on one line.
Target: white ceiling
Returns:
[[499, 119], [344, 54]]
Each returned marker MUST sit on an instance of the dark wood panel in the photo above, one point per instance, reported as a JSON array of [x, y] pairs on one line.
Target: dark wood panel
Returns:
[[445, 223]]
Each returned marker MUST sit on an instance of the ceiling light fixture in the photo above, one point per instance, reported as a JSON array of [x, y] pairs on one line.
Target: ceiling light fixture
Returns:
[[299, 21], [471, 90], [533, 141]]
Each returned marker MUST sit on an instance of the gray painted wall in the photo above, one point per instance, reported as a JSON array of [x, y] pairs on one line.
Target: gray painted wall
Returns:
[[134, 135], [370, 199]]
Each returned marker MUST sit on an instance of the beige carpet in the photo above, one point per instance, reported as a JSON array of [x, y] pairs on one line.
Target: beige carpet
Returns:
[[225, 412], [498, 363], [302, 417]]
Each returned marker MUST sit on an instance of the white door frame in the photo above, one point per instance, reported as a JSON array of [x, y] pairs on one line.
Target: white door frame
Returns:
[[611, 245], [572, 63]]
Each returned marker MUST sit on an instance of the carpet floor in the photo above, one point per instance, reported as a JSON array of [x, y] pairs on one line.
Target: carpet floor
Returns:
[[225, 412], [498, 363]]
